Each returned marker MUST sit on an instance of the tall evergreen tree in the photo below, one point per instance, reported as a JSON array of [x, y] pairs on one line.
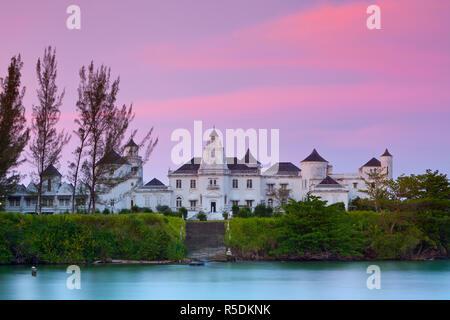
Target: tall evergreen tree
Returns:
[[14, 134], [47, 142], [106, 123]]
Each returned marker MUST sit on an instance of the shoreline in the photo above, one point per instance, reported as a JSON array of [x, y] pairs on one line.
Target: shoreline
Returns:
[[188, 261]]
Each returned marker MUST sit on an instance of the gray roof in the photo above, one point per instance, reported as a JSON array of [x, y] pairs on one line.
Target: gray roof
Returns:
[[314, 157], [283, 168], [386, 154], [373, 163], [329, 182], [112, 157], [155, 183], [190, 167], [51, 171], [233, 164], [250, 159]]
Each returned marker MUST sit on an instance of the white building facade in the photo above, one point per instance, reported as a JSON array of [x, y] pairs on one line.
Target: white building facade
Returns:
[[213, 183]]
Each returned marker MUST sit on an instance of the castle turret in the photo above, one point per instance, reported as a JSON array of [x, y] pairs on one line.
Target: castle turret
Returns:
[[131, 154], [131, 149], [213, 158], [387, 163], [314, 167]]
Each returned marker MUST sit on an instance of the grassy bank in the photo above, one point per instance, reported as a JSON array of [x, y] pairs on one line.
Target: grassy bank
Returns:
[[67, 238], [311, 231]]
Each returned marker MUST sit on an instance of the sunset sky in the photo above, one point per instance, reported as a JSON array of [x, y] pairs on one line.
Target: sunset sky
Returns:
[[311, 69]]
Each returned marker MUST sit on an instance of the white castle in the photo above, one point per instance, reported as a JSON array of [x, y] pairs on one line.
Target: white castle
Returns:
[[212, 184]]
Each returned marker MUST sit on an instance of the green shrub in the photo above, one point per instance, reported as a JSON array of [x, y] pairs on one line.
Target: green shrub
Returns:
[[235, 210], [278, 214], [202, 216], [262, 211], [162, 208], [244, 212], [225, 215], [106, 211], [184, 212], [75, 238]]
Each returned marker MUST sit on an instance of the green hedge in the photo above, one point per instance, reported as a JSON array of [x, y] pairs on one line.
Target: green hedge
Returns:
[[67, 238], [309, 230]]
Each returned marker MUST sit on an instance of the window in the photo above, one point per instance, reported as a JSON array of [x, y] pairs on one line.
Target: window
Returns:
[[147, 201], [47, 202], [193, 184], [14, 202], [270, 203], [235, 202], [213, 184], [213, 153], [249, 183], [64, 202], [49, 185], [81, 202], [235, 184], [270, 187], [193, 204], [283, 186], [179, 202], [31, 202], [355, 185], [134, 170], [249, 202], [178, 184]]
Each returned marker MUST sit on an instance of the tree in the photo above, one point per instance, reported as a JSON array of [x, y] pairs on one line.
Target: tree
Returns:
[[434, 185], [47, 142], [74, 167], [102, 126], [103, 122], [430, 185], [281, 195], [13, 131], [376, 186]]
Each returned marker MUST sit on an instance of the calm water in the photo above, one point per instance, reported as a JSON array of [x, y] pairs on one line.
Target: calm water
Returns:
[[249, 280]]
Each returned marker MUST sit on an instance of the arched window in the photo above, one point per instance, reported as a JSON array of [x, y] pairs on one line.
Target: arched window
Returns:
[[179, 202]]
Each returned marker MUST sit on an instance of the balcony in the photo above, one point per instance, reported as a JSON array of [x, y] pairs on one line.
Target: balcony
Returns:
[[213, 187]]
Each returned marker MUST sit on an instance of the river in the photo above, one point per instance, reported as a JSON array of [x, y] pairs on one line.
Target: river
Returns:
[[243, 280]]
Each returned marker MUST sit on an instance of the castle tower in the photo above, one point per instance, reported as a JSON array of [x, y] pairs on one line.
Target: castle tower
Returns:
[[213, 157], [131, 154], [387, 163], [314, 167]]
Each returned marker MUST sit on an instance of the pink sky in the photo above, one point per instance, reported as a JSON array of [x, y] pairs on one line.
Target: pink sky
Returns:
[[309, 68]]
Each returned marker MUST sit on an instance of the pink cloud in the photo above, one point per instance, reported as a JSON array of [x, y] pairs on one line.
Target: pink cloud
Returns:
[[305, 100], [327, 36]]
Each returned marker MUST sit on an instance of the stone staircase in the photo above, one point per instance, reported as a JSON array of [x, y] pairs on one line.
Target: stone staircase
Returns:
[[205, 240]]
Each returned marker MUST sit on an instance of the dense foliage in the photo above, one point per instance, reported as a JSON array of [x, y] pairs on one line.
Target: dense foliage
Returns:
[[78, 238], [312, 230]]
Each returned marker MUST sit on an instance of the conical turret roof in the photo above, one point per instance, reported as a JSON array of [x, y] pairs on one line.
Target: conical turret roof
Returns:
[[314, 157], [386, 154]]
